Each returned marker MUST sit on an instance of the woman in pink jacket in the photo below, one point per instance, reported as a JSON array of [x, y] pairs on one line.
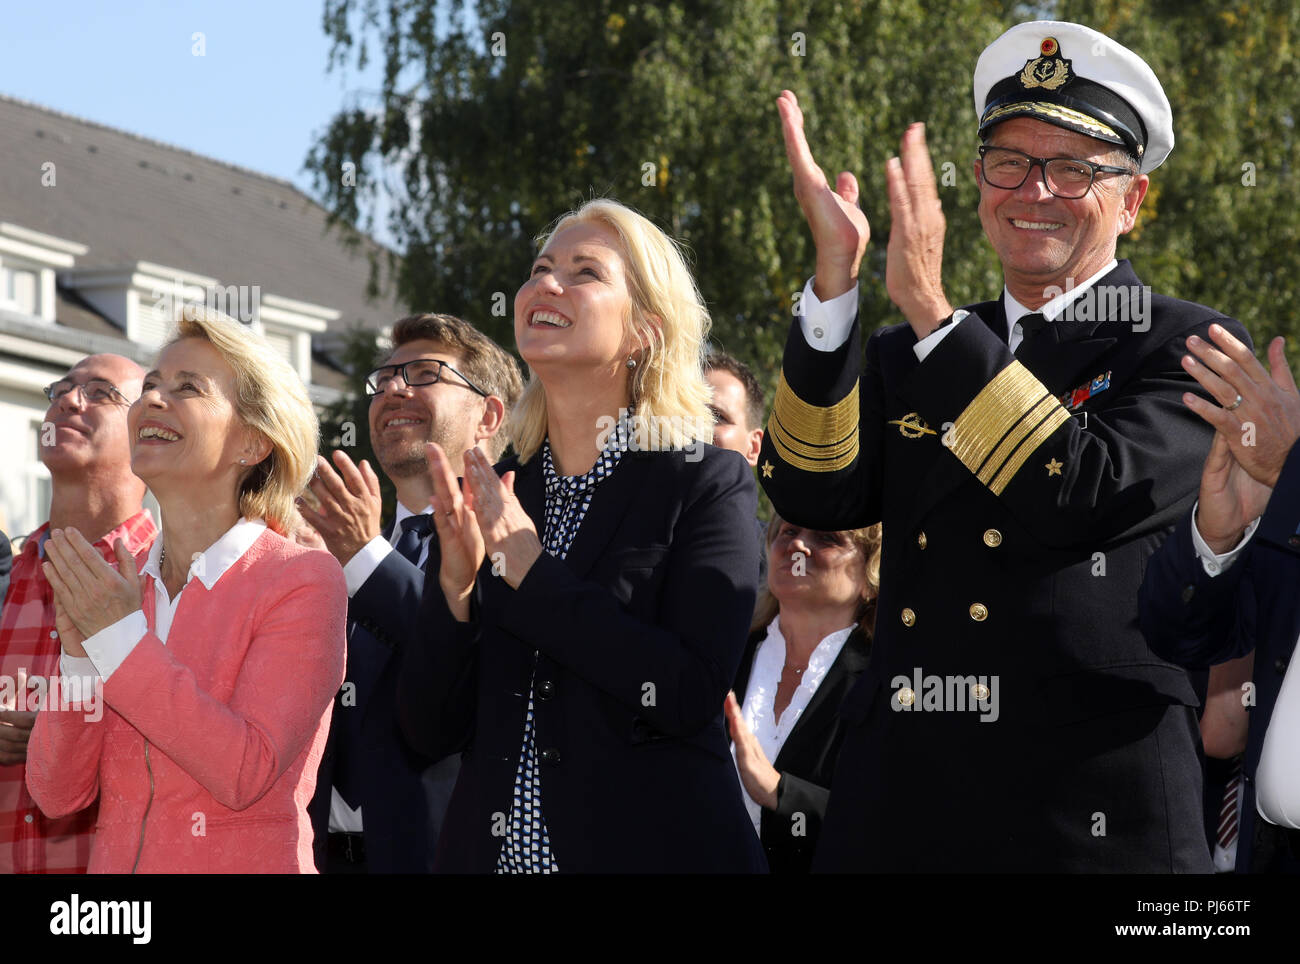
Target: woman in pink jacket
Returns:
[[217, 653]]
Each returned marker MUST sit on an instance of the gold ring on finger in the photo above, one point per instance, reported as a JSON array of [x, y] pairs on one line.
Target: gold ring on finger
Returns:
[[1233, 407]]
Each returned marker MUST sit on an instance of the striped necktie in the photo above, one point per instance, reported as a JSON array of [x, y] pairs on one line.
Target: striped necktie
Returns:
[[1229, 811]]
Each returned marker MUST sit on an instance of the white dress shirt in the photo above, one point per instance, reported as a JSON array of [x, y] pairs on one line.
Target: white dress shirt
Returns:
[[826, 324], [109, 648], [1277, 778], [757, 704], [361, 566]]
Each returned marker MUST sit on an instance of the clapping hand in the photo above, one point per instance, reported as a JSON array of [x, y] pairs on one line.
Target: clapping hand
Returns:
[[914, 266], [1258, 411], [459, 541], [91, 594], [757, 775], [913, 273], [509, 535], [349, 505], [1257, 421], [839, 228]]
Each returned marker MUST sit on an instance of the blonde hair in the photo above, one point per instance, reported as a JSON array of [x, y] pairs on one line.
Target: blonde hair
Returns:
[[270, 399], [668, 383], [868, 540]]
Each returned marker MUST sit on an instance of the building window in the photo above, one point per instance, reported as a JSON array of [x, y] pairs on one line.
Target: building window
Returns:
[[19, 290]]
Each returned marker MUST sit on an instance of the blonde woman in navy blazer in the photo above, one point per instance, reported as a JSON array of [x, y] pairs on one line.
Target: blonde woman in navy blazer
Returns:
[[584, 677]]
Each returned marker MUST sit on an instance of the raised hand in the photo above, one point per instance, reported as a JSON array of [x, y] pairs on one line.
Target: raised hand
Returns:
[[349, 505], [914, 268], [1229, 500], [757, 775], [839, 228], [509, 535], [459, 541], [1263, 426], [92, 593]]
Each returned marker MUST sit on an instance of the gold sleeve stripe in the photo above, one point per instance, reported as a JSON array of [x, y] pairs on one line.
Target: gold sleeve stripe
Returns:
[[1046, 427], [993, 413], [810, 458], [815, 424], [1013, 438]]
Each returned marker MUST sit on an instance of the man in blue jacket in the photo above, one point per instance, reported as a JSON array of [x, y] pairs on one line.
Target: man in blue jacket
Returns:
[[379, 805], [1225, 583]]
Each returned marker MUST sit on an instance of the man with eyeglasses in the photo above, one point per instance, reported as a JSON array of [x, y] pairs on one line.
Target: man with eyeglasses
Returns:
[[1026, 456], [378, 806], [85, 445]]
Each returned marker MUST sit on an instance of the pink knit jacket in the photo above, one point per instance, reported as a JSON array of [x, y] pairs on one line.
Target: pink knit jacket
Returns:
[[207, 752]]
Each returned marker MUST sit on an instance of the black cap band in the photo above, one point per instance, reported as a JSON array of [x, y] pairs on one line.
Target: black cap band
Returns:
[[1079, 105]]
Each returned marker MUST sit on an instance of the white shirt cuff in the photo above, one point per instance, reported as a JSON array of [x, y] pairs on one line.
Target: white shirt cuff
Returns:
[[931, 341], [1217, 563], [826, 324], [365, 562], [110, 647], [77, 666]]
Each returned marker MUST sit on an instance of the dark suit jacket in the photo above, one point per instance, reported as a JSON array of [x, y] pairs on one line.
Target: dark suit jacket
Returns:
[[400, 813], [1197, 620], [638, 634], [807, 758], [1016, 534]]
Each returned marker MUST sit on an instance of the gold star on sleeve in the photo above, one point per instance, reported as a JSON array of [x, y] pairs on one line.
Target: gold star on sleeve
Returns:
[[1054, 467]]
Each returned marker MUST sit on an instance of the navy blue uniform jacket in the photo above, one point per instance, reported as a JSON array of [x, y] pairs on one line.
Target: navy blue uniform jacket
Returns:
[[1012, 717]]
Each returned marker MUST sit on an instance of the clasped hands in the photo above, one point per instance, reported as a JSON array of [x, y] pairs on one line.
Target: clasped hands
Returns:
[[914, 265], [485, 520], [89, 594], [1252, 436]]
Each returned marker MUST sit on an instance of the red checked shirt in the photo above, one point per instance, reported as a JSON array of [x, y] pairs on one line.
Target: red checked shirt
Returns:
[[29, 645]]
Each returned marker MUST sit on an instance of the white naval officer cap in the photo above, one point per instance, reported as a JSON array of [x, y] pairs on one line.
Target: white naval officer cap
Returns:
[[1074, 77]]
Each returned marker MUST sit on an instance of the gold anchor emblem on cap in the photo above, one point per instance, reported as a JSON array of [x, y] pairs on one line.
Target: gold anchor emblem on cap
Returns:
[[1049, 71], [912, 425]]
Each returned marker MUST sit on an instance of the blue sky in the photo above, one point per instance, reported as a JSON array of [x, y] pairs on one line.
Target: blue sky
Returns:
[[256, 97]]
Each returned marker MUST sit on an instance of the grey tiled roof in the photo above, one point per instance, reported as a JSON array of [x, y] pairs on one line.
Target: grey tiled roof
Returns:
[[129, 199]]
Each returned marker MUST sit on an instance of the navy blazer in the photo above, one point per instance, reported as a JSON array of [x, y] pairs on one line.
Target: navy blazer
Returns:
[[807, 758], [637, 635], [1196, 620], [399, 800]]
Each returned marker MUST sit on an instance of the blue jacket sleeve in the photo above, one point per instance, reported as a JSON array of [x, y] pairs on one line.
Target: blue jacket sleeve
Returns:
[[388, 603]]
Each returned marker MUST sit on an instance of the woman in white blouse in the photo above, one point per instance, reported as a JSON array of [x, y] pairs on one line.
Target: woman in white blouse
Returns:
[[808, 644]]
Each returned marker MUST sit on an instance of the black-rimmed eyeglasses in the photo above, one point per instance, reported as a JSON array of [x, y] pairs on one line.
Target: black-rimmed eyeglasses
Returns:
[[419, 371], [1066, 177], [96, 391]]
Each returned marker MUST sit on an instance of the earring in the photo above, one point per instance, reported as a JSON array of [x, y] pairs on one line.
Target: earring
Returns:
[[631, 363], [243, 461]]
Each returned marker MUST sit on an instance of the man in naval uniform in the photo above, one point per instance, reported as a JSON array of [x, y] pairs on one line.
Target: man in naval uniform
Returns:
[[1026, 455]]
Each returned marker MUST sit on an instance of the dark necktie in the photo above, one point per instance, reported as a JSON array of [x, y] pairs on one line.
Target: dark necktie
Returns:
[[414, 529], [1032, 324]]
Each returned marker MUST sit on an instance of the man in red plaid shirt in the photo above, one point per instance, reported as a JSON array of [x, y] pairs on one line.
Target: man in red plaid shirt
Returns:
[[85, 446]]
